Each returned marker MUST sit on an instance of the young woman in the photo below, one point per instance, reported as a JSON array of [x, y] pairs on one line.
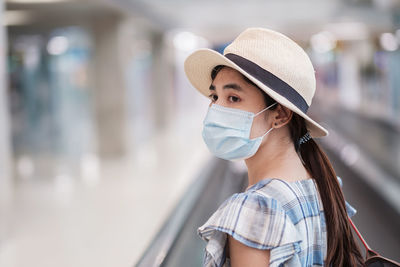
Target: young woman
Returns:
[[293, 213]]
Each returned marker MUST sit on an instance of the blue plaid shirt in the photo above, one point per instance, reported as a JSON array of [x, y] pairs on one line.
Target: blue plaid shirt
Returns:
[[286, 218]]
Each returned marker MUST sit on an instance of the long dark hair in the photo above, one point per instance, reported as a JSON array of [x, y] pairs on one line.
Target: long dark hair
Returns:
[[342, 249]]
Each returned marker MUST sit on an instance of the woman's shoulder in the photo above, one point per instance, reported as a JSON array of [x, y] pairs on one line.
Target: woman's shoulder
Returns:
[[286, 192], [253, 217], [294, 196], [267, 197]]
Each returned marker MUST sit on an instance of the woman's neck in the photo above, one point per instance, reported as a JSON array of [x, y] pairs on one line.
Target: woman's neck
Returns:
[[276, 158]]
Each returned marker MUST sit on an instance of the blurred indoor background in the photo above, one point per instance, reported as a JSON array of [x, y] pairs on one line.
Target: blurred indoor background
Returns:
[[101, 157]]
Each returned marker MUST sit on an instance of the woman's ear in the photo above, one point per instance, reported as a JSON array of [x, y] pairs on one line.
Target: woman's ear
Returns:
[[282, 116]]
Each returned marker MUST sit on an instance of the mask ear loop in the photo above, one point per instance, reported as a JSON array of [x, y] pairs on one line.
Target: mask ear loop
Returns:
[[267, 132], [262, 136], [265, 109]]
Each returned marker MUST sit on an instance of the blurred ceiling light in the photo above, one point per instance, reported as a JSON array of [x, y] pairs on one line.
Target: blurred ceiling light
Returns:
[[16, 17], [35, 1], [185, 41], [348, 30], [350, 153], [57, 45], [323, 42], [388, 41]]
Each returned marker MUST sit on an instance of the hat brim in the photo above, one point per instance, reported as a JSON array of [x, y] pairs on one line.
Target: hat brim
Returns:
[[198, 67]]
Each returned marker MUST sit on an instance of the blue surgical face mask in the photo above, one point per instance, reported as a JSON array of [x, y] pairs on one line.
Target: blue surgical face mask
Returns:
[[226, 131]]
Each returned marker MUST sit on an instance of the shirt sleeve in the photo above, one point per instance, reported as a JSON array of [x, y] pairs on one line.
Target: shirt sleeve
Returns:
[[254, 220]]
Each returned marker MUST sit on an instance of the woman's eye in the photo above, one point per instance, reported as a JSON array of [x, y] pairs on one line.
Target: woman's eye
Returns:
[[234, 99], [213, 97]]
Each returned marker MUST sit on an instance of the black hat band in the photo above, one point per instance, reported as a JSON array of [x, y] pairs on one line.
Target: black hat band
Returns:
[[270, 80]]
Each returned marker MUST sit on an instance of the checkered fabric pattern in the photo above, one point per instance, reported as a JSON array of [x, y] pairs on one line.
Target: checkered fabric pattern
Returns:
[[286, 218]]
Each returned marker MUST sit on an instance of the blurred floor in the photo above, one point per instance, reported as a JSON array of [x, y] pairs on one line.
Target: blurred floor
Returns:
[[65, 222]]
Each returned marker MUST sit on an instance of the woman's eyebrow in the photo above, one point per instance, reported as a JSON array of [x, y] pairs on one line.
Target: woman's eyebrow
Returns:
[[233, 86]]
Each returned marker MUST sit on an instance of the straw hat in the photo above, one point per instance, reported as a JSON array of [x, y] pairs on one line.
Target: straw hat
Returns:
[[272, 61]]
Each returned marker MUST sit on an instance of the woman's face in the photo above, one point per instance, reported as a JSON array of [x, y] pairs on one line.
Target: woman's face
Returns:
[[230, 89]]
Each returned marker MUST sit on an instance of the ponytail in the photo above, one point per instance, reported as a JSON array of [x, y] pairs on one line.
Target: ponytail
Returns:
[[342, 249]]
